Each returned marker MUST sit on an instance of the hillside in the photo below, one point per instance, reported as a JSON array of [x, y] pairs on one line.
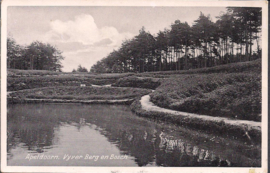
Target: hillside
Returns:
[[232, 90]]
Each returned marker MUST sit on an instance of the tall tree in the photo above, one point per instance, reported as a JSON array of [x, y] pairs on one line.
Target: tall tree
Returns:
[[205, 28], [44, 56], [180, 36], [250, 19], [161, 46], [225, 29], [15, 52], [81, 69], [145, 45], [207, 42]]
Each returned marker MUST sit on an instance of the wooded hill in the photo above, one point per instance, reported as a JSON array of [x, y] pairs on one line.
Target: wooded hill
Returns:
[[234, 37]]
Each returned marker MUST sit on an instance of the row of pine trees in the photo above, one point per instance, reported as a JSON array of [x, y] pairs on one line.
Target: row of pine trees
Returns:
[[234, 37]]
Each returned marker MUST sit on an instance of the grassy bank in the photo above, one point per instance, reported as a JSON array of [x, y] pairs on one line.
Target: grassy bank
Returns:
[[14, 84], [138, 82], [29, 79], [30, 73], [218, 127], [234, 95], [232, 90], [80, 93], [21, 73], [240, 67]]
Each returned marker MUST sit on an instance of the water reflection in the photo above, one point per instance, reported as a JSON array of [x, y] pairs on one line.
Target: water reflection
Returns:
[[39, 128]]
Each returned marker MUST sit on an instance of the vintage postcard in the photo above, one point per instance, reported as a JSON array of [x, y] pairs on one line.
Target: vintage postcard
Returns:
[[125, 86]]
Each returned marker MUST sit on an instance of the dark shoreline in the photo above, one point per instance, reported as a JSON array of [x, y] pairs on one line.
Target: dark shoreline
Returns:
[[28, 100]]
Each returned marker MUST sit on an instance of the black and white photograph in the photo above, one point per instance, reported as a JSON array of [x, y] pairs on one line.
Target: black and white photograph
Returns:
[[134, 87]]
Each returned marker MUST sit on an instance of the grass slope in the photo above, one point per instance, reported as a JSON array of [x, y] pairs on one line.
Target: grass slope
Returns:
[[81, 93], [232, 90], [233, 95], [20, 83], [240, 67], [226, 95], [138, 82]]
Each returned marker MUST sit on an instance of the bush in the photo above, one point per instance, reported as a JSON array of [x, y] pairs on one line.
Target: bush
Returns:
[[136, 82]]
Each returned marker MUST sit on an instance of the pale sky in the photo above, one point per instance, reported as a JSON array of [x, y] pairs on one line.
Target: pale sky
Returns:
[[88, 34]]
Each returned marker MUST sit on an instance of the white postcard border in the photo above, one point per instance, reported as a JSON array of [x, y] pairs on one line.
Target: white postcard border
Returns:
[[152, 3]]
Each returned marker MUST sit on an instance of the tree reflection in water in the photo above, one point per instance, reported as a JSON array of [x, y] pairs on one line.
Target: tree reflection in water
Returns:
[[150, 143]]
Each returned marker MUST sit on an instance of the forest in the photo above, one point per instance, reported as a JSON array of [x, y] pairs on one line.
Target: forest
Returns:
[[234, 37], [36, 56]]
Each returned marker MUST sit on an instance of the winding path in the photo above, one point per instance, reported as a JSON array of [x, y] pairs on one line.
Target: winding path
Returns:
[[147, 105]]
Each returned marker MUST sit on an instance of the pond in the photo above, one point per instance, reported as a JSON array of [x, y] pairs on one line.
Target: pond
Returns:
[[111, 135]]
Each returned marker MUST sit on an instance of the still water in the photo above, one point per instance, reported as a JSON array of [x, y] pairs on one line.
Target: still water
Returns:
[[111, 135]]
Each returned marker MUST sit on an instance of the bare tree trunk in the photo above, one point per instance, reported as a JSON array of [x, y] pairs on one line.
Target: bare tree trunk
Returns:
[[250, 47], [160, 62], [31, 62], [257, 40], [241, 51], [186, 58], [205, 49], [180, 59], [167, 60], [170, 58], [220, 53], [176, 62], [232, 50], [194, 54], [175, 57], [246, 37]]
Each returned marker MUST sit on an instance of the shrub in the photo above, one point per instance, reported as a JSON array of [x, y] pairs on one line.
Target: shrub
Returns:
[[136, 82]]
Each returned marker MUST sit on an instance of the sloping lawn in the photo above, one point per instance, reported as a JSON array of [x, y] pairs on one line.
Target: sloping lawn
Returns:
[[81, 93], [233, 95]]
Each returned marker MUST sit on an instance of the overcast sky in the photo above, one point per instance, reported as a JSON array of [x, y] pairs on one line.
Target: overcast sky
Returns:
[[87, 34]]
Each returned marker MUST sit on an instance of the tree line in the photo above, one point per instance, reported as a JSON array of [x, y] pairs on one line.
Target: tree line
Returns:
[[80, 69], [36, 56], [204, 44]]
